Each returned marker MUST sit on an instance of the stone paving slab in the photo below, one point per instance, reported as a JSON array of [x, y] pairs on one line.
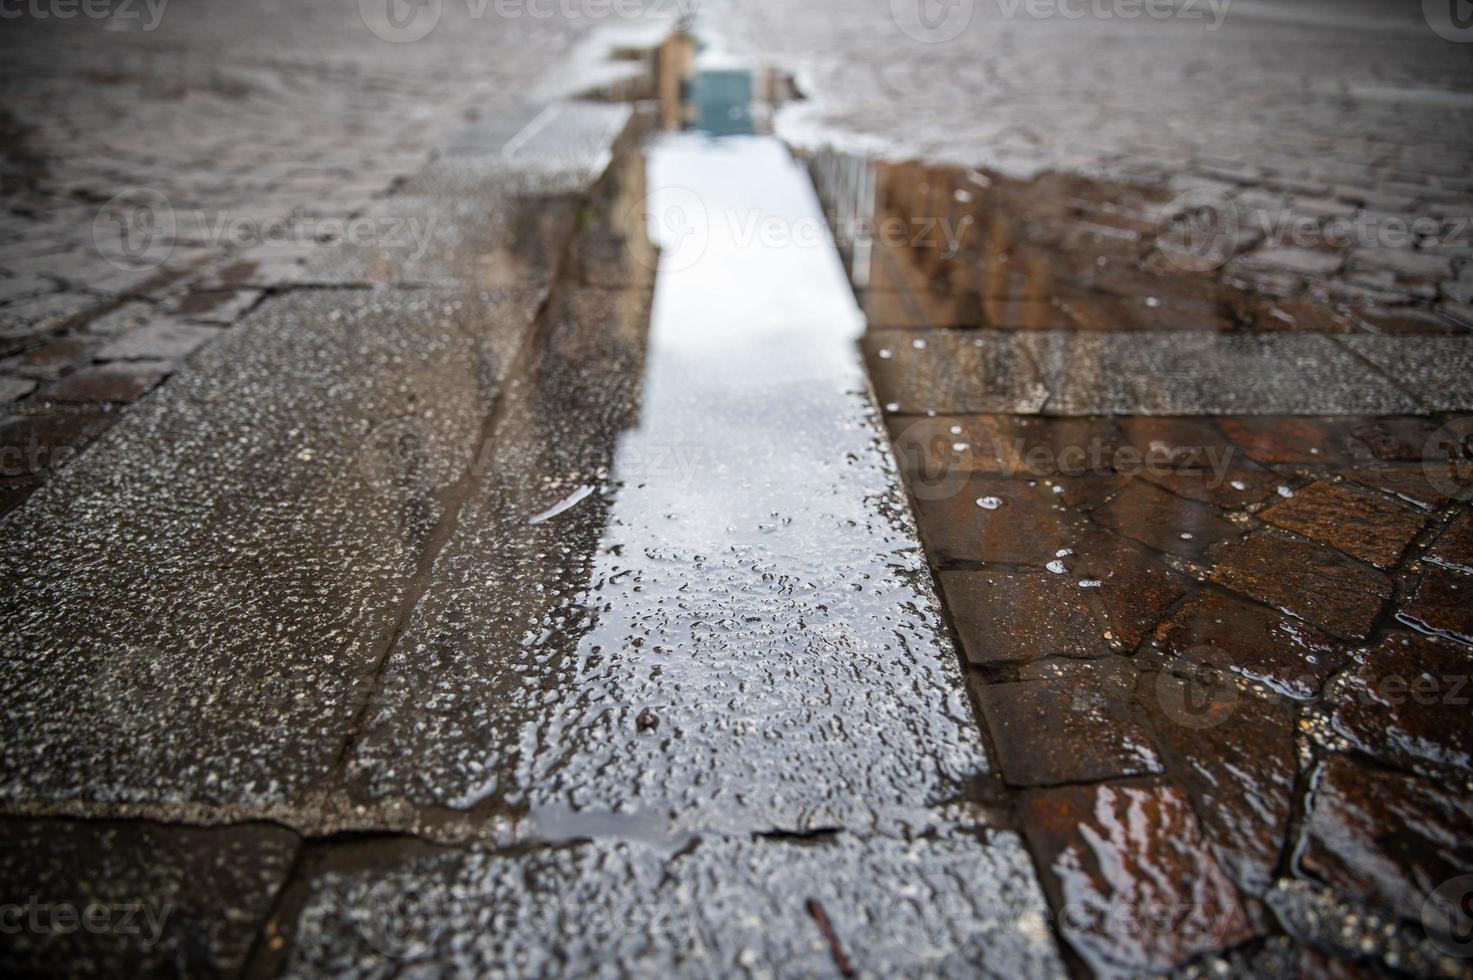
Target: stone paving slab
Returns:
[[108, 898], [305, 451], [956, 372], [966, 906], [1438, 370]]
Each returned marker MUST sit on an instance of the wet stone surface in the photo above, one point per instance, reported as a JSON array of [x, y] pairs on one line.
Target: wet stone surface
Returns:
[[1364, 525], [967, 907], [134, 899], [1067, 724], [1136, 887], [1407, 704], [1346, 844], [1341, 596]]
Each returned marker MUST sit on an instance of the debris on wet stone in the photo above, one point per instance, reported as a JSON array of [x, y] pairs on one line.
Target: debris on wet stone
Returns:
[[1346, 842], [1132, 876], [1072, 724], [1218, 630], [1025, 528], [1134, 588], [1442, 603], [1234, 753], [1407, 703], [1231, 487], [1361, 523], [1011, 617], [1338, 594], [1164, 521]]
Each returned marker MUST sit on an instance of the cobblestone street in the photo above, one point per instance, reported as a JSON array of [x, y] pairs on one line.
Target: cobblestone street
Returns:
[[866, 488]]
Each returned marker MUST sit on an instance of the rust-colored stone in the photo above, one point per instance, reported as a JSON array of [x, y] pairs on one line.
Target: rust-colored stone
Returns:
[[1013, 617], [1443, 602], [1146, 513], [1070, 726], [1240, 772], [1133, 881], [1271, 439], [1384, 838], [1340, 595], [1407, 482], [1408, 703], [1361, 523], [992, 520], [1454, 546], [1224, 632]]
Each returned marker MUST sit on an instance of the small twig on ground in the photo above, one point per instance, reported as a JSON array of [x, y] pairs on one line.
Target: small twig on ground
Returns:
[[825, 927]]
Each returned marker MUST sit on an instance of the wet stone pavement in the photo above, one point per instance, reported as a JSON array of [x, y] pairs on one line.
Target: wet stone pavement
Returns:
[[1210, 579], [591, 571]]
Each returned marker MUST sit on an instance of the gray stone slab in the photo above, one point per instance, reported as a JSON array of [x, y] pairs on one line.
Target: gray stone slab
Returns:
[[191, 609], [1437, 370], [1136, 373], [952, 905], [481, 239], [164, 340], [111, 899], [703, 604]]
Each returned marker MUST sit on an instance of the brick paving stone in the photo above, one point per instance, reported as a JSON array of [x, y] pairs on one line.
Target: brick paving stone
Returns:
[[1407, 704], [1129, 588], [1443, 602], [106, 383], [1411, 483], [1218, 630], [1188, 443], [1132, 876], [1237, 761], [1166, 522], [1009, 445], [1230, 487], [1362, 524], [1339, 595], [211, 306], [1346, 842], [1397, 440], [1070, 725], [1454, 546], [177, 901], [1290, 440], [993, 520], [1014, 617]]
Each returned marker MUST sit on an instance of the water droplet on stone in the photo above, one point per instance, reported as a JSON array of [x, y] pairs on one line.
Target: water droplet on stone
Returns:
[[989, 503]]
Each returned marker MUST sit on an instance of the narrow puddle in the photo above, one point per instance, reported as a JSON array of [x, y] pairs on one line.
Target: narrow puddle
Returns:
[[766, 650]]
